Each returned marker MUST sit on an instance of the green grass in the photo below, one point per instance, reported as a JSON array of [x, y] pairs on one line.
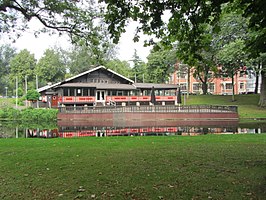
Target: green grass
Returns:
[[247, 104], [201, 167]]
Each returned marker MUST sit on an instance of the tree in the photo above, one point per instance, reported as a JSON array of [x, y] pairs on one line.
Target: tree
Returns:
[[50, 67], [83, 57], [231, 57], [7, 52], [160, 64], [76, 18], [139, 68], [23, 66], [121, 67], [185, 21], [32, 95]]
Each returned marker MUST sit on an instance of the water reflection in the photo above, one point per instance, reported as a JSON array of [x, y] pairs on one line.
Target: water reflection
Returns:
[[63, 130]]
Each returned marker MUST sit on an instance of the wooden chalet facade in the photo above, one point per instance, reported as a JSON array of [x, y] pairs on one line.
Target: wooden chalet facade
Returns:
[[102, 87]]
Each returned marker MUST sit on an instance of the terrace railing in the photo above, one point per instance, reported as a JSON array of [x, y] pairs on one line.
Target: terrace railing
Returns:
[[158, 109]]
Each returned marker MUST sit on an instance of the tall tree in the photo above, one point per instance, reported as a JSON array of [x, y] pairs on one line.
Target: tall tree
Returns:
[[232, 58], [203, 59], [121, 67], [139, 68], [83, 57], [160, 64], [50, 68], [21, 66], [7, 52]]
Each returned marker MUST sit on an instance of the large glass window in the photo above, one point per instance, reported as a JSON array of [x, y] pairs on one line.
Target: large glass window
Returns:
[[79, 92], [228, 86], [72, 92], [241, 86], [211, 87], [92, 92], [183, 86], [65, 92], [85, 92], [119, 93], [196, 87], [113, 92]]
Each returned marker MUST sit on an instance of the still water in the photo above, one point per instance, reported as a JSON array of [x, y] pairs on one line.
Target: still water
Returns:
[[80, 129]]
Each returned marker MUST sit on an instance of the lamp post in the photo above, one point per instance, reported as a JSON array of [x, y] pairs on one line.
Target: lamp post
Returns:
[[6, 91]]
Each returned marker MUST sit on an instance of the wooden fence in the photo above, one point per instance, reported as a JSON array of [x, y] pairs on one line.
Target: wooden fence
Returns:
[[157, 109]]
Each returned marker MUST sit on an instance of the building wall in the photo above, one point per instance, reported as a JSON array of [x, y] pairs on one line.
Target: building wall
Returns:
[[243, 83]]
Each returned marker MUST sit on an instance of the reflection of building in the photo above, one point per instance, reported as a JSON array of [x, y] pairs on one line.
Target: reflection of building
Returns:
[[244, 83], [101, 86]]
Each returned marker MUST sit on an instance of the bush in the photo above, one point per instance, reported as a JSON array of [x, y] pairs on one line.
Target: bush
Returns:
[[40, 114], [29, 114], [10, 113], [32, 95], [20, 101]]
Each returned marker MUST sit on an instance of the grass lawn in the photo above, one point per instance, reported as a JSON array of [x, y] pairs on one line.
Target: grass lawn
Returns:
[[200, 167], [247, 104]]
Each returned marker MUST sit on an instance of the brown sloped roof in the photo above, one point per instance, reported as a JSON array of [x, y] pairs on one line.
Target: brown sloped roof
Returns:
[[155, 85], [99, 86]]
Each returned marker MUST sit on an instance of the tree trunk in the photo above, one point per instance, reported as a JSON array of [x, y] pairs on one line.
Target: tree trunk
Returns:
[[188, 81], [262, 102], [233, 87], [204, 88], [257, 79], [256, 84]]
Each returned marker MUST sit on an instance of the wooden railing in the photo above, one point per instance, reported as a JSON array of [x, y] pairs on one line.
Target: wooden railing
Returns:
[[91, 99], [159, 109]]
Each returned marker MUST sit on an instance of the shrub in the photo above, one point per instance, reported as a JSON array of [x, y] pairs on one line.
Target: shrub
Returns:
[[39, 115], [9, 113]]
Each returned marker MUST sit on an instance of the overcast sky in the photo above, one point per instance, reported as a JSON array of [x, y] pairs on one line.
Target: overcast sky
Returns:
[[42, 42]]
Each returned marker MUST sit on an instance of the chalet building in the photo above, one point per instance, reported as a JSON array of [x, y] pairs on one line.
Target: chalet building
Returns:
[[244, 83], [103, 87]]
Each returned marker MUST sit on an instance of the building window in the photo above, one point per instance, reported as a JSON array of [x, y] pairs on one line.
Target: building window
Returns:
[[72, 92], [92, 92], [196, 87], [119, 93], [79, 92], [183, 86], [228, 86], [182, 75], [241, 86], [85, 92], [113, 92], [211, 87], [65, 92]]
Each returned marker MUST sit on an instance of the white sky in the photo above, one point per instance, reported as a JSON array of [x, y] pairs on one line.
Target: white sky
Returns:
[[44, 41]]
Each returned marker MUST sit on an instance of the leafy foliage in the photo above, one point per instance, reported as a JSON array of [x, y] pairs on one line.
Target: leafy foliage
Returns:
[[121, 67], [72, 17], [160, 64], [231, 58], [10, 113], [32, 95], [22, 65], [29, 114], [7, 52], [139, 68], [51, 67], [39, 115]]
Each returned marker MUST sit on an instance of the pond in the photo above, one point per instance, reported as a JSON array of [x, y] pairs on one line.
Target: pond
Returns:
[[155, 128]]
